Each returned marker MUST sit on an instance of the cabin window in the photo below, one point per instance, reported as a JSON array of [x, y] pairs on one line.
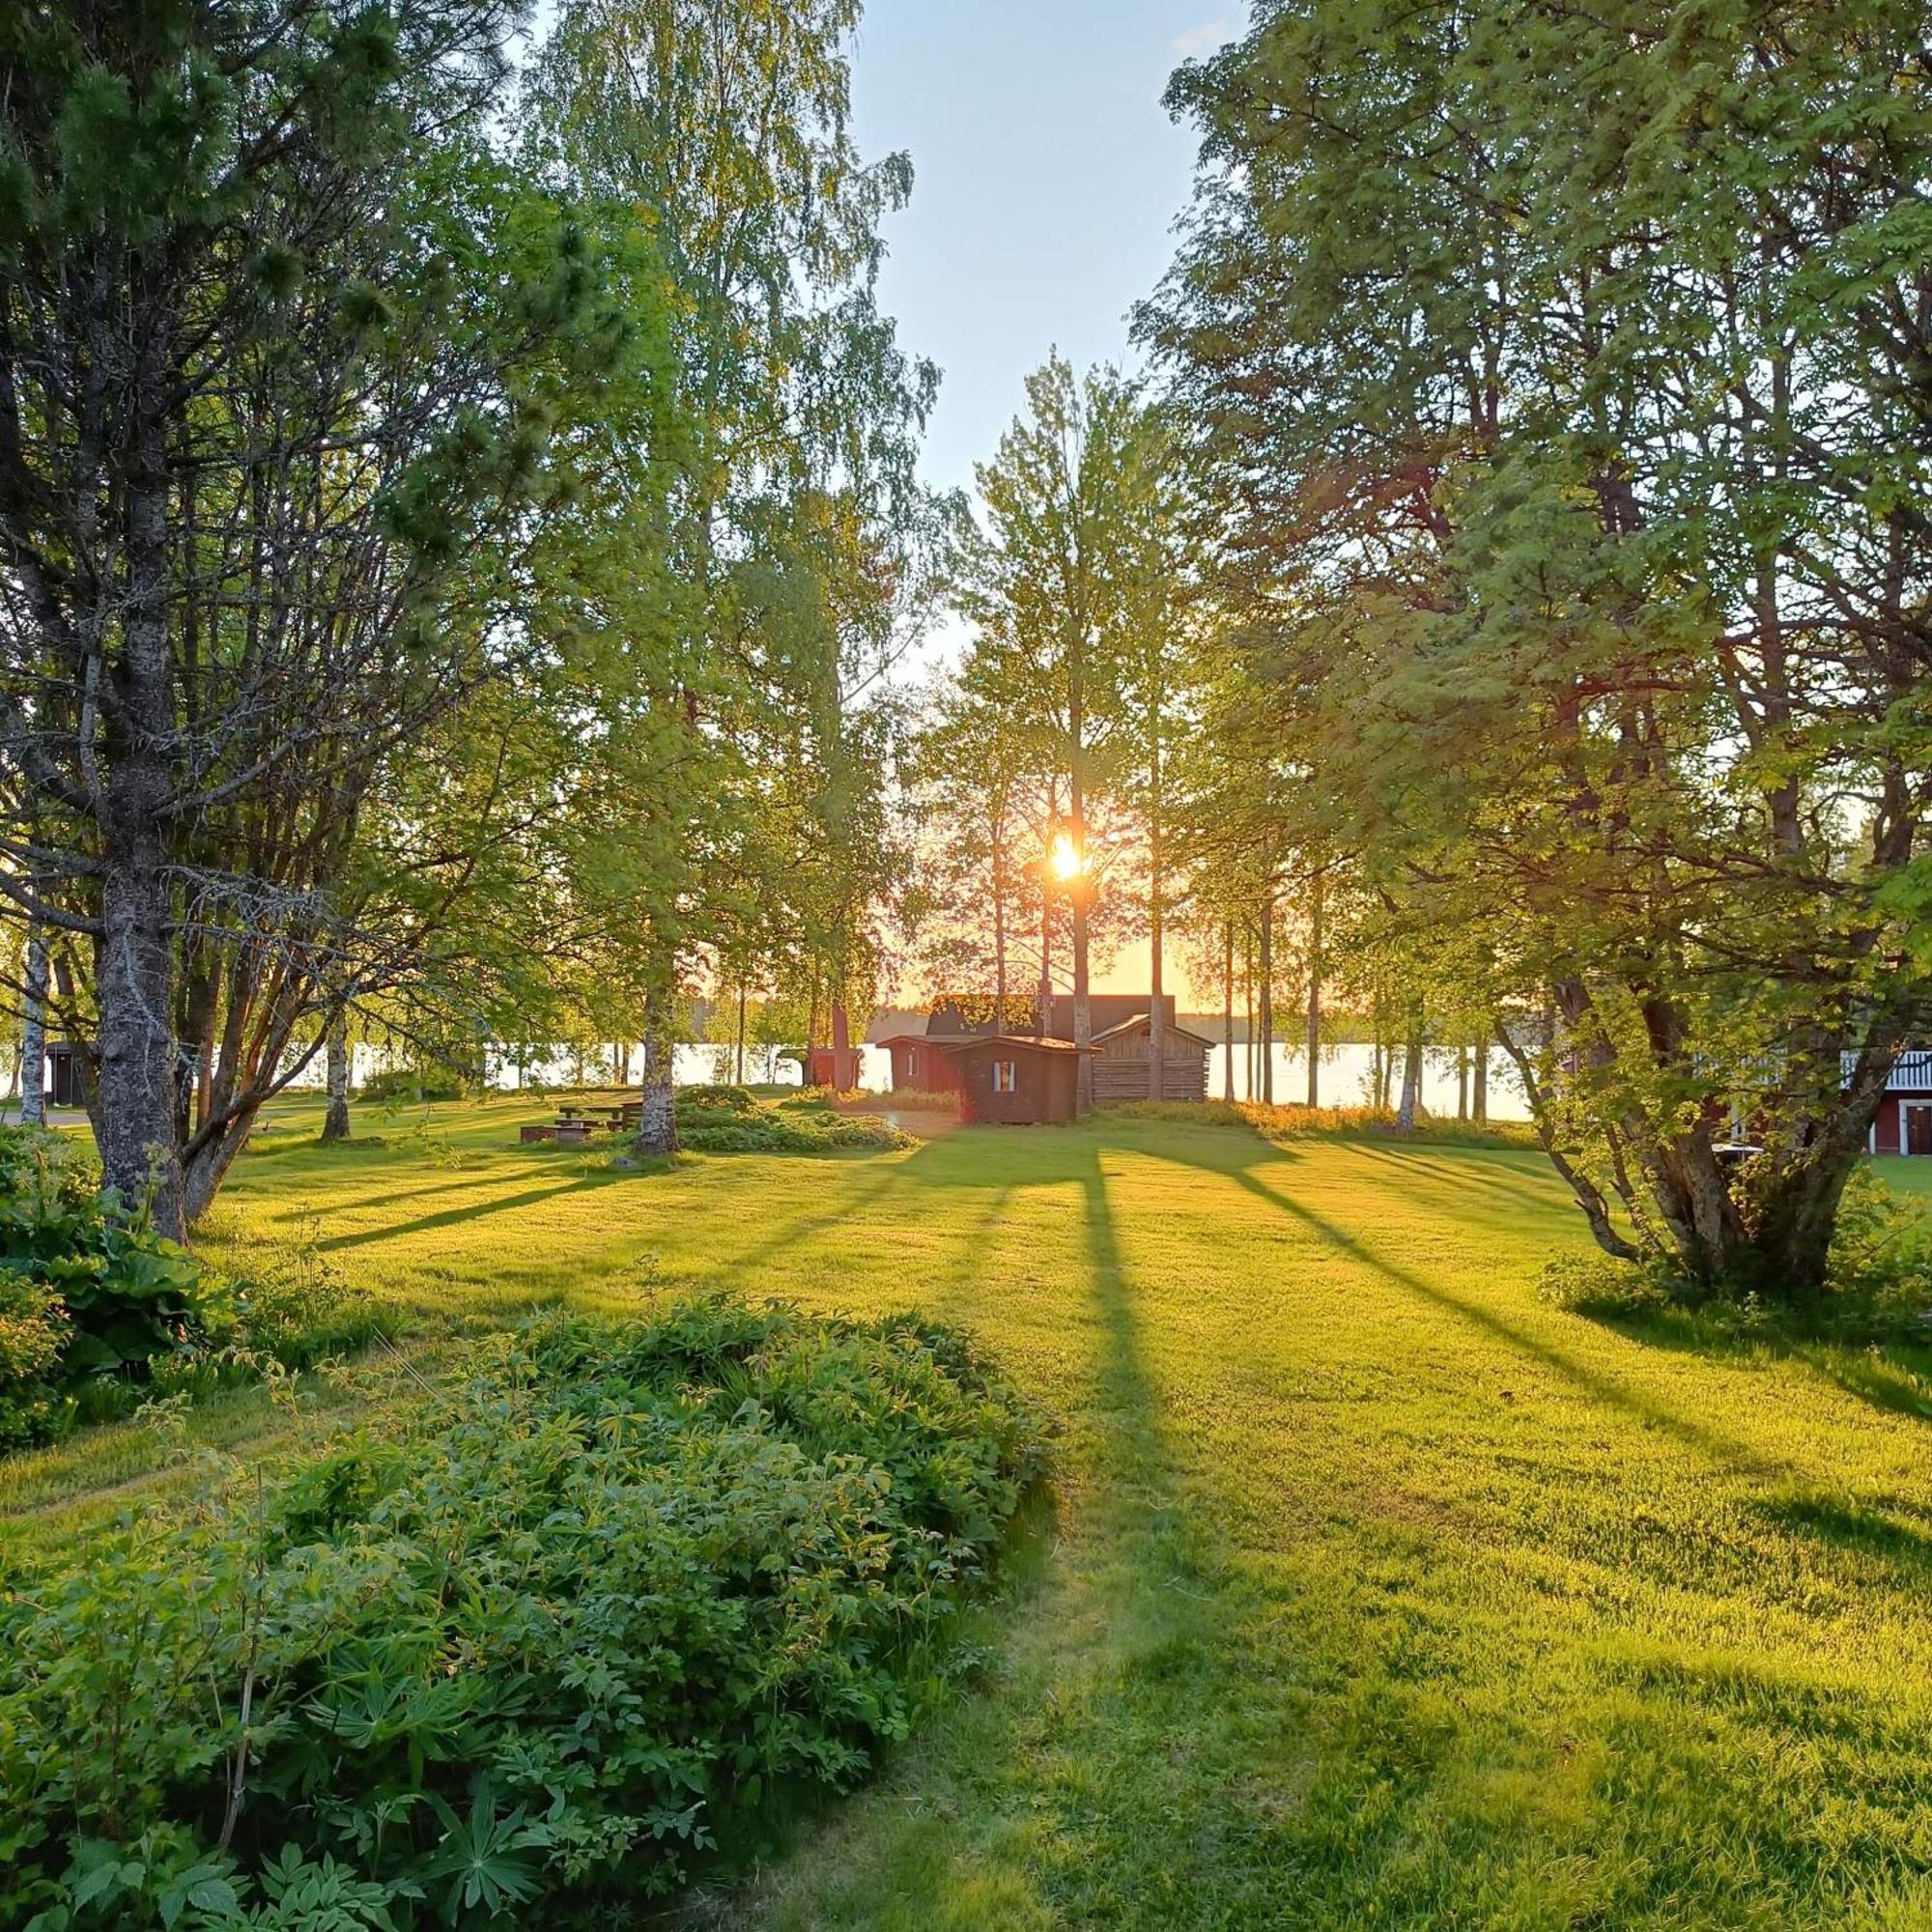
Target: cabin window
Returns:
[[1005, 1076]]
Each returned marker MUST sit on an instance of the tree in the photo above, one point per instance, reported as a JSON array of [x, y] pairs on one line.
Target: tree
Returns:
[[723, 131], [1161, 609], [979, 796], [1563, 371], [265, 454], [1045, 582]]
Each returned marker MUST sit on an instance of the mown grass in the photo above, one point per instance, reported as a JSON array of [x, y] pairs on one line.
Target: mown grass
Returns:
[[1378, 1593]]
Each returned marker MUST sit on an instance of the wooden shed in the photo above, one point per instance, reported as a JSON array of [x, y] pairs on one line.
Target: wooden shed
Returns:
[[1122, 1057], [1016, 1080], [924, 1061]]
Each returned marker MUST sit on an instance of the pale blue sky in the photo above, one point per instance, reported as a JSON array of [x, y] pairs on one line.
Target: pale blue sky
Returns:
[[1048, 180]]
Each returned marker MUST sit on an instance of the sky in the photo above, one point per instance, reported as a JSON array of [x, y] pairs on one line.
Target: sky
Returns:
[[1048, 180]]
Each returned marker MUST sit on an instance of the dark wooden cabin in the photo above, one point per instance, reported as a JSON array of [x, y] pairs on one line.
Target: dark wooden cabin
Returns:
[[1015, 1080]]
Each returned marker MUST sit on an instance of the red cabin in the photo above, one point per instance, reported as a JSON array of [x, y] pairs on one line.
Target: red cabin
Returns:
[[1904, 1122], [1015, 1080]]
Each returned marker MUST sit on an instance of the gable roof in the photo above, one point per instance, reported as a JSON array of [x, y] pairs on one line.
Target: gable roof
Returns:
[[1023, 1042], [1143, 1022]]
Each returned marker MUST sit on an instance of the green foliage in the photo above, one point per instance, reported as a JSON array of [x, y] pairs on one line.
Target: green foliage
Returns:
[[1294, 1123], [414, 1084], [725, 1099], [907, 1100], [1546, 373], [296, 1307], [91, 1298], [798, 1126], [537, 1655]]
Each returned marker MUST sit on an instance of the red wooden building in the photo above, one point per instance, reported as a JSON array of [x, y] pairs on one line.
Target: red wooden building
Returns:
[[1904, 1122]]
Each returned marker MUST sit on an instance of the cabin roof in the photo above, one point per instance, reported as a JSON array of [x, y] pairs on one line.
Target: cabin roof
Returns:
[[1025, 1042], [1143, 1023]]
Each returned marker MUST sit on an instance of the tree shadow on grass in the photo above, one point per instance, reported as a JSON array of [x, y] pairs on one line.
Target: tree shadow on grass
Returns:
[[1104, 1618], [1888, 1371], [1428, 1165], [1600, 1387], [1863, 1528], [453, 1217]]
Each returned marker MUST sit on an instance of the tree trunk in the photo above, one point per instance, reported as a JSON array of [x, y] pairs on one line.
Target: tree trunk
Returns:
[[1479, 1100], [336, 1119], [34, 1037], [1000, 924], [1083, 1011], [1227, 1011], [657, 1124], [1248, 1014], [1411, 1082], [135, 980], [739, 1075], [207, 1168], [1461, 1083], [1156, 1007], [1267, 1000], [1316, 966], [1043, 1000]]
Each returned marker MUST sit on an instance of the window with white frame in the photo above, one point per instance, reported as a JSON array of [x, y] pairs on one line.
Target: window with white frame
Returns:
[[1005, 1076]]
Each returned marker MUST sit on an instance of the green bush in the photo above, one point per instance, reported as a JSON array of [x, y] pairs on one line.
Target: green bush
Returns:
[[413, 1085], [535, 1658], [91, 1298], [296, 1305], [1292, 1123], [788, 1127], [718, 1099]]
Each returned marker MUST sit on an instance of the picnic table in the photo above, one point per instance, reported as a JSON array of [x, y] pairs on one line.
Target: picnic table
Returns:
[[574, 1124]]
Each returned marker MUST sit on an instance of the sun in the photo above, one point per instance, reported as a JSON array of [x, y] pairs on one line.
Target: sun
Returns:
[[1066, 860]]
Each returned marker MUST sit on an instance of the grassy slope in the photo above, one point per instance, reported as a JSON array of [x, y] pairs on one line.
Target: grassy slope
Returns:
[[1379, 1593]]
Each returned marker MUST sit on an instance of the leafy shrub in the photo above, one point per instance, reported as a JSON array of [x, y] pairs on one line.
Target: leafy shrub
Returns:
[[534, 1657], [1599, 1284], [35, 1330], [91, 1298], [904, 1100], [793, 1126], [413, 1085], [707, 1099], [1881, 1249], [1291, 1122], [296, 1305]]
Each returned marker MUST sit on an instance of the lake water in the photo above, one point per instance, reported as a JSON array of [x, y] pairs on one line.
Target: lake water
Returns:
[[1347, 1074]]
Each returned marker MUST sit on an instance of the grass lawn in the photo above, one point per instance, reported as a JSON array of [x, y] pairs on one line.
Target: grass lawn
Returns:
[[1376, 1593]]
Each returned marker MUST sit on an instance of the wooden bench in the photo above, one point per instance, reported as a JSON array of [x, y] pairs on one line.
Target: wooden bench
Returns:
[[563, 1133]]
